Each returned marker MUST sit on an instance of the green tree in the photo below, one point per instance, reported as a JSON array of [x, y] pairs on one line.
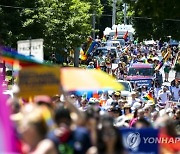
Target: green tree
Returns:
[[106, 17], [10, 27], [63, 24], [156, 18]]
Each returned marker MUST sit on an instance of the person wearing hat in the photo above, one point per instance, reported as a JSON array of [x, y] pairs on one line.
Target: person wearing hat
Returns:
[[91, 65], [83, 105], [121, 103], [114, 111], [164, 95], [133, 98], [127, 111], [91, 101], [117, 95], [136, 106], [108, 62], [143, 90], [147, 111], [75, 100]]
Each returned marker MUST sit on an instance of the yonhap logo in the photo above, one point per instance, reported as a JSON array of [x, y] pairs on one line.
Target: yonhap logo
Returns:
[[133, 140]]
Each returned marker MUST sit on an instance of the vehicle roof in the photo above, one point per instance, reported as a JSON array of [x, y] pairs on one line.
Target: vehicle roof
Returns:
[[107, 47], [141, 65], [124, 81], [115, 41]]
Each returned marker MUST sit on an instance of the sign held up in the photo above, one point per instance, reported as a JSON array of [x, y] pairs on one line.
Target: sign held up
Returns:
[[32, 47], [39, 80]]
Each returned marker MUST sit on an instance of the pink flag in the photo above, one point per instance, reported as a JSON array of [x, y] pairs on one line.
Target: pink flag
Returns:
[[7, 137]]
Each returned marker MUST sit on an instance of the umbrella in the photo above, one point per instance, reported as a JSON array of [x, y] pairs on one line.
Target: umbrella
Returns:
[[73, 79]]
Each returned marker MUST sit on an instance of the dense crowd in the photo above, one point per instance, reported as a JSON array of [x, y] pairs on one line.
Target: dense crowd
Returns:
[[78, 123]]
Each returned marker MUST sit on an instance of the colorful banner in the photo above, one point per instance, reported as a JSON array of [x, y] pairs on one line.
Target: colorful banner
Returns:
[[39, 80]]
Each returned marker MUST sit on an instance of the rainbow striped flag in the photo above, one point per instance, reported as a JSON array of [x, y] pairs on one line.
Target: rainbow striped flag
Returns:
[[125, 36], [91, 45], [161, 63], [82, 56], [12, 57], [149, 96], [165, 58]]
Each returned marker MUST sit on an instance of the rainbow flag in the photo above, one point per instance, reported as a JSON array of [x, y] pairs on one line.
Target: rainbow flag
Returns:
[[167, 55], [84, 53], [82, 56], [161, 63], [125, 36], [149, 96], [165, 58], [89, 42], [12, 57], [91, 48]]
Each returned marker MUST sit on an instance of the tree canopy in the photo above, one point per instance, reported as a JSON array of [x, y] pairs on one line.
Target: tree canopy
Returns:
[[156, 19], [63, 24]]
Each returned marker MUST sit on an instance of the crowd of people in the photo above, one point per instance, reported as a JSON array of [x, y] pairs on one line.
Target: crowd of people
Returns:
[[75, 123]]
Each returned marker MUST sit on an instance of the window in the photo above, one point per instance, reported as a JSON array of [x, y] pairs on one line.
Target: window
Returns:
[[126, 86], [141, 71]]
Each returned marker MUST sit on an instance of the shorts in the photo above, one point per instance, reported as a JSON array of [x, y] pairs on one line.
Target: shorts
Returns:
[[108, 65]]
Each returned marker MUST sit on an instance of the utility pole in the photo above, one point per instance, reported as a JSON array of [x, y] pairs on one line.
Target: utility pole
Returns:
[[125, 14], [94, 24], [114, 12]]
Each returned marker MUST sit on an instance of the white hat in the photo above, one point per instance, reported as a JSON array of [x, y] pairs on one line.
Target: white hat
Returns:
[[133, 92], [136, 105], [147, 106], [156, 58]]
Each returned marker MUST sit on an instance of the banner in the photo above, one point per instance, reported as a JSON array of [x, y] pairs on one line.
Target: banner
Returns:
[[141, 141], [39, 80]]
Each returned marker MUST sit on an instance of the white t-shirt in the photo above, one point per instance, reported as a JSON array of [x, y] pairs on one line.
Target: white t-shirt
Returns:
[[156, 91], [108, 102], [164, 96], [175, 91]]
